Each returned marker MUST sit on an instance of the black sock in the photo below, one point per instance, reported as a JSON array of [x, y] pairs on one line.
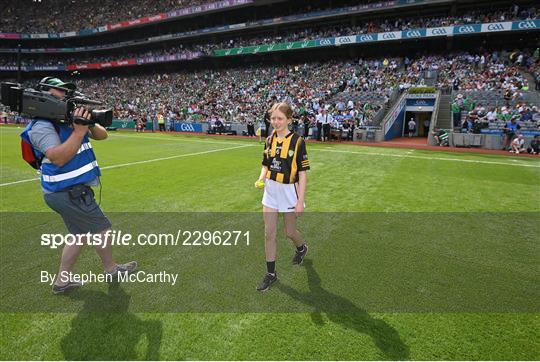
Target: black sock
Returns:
[[271, 267], [301, 247]]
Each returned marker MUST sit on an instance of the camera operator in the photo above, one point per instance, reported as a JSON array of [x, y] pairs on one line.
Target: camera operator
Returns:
[[68, 170]]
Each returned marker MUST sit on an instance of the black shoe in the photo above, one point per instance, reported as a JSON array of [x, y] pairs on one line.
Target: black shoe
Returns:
[[298, 257], [61, 289], [268, 280]]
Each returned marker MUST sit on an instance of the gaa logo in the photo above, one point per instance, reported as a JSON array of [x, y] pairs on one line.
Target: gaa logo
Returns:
[[466, 29], [387, 36], [367, 38], [289, 46], [413, 34], [256, 50], [495, 27], [187, 127], [345, 40], [526, 25], [271, 47], [325, 42], [438, 31], [228, 52], [305, 44]]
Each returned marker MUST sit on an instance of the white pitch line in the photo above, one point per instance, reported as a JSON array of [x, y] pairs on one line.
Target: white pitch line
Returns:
[[172, 157], [183, 139], [161, 136], [19, 182], [431, 158], [140, 162]]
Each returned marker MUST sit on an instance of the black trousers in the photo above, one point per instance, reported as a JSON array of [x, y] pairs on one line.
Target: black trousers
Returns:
[[319, 131], [326, 130]]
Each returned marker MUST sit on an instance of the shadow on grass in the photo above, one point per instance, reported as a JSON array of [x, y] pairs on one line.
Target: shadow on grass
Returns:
[[342, 311], [105, 330]]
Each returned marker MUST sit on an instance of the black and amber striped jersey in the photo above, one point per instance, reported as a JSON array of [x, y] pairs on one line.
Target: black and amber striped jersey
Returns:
[[285, 157]]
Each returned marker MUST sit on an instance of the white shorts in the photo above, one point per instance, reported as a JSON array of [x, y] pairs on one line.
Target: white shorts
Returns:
[[279, 196]]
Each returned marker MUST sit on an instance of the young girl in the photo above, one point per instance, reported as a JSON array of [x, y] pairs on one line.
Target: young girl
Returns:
[[284, 179]]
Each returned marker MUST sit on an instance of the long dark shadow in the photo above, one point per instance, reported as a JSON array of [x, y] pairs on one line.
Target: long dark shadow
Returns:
[[342, 311], [105, 330]]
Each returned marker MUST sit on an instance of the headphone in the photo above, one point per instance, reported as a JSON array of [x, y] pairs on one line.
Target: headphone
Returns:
[[42, 85]]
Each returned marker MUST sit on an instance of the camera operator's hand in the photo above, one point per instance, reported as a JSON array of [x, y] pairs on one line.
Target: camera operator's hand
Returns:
[[81, 117]]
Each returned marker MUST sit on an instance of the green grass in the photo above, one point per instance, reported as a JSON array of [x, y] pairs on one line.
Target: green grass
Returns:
[[338, 306]]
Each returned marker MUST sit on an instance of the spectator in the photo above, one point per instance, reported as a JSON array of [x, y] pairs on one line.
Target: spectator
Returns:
[[456, 112], [440, 136], [510, 130], [161, 122], [534, 148], [250, 128], [518, 145], [412, 127], [427, 123]]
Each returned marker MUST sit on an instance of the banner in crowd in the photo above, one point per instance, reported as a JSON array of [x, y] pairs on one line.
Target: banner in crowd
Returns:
[[34, 68], [500, 132], [169, 57], [104, 65], [388, 36]]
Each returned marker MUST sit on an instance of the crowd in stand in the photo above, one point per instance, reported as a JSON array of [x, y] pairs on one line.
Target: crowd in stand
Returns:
[[348, 90], [478, 115], [291, 35], [244, 94], [355, 89], [496, 72], [351, 93], [30, 16], [512, 118]]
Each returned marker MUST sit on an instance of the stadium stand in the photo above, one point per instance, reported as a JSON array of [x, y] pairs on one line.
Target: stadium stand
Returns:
[[207, 74]]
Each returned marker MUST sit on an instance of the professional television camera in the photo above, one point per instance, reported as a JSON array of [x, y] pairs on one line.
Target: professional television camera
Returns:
[[39, 103]]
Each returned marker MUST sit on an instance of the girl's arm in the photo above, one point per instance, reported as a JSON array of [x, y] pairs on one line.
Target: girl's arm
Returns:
[[302, 185], [262, 176]]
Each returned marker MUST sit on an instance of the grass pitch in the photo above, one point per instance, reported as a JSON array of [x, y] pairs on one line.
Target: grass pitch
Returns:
[[490, 248]]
